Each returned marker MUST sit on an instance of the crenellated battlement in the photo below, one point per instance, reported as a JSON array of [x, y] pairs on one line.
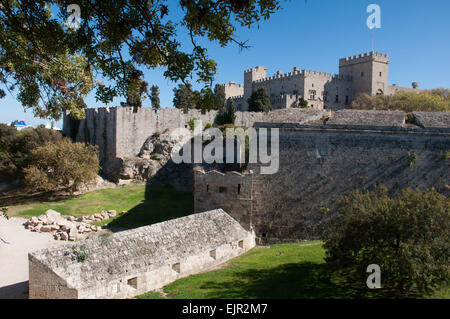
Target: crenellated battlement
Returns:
[[365, 57], [295, 73]]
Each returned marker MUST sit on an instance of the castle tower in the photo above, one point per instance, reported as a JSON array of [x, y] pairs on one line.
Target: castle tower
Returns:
[[368, 72], [251, 75]]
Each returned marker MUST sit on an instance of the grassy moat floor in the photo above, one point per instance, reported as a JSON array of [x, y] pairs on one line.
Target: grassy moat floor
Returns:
[[144, 205], [295, 270], [282, 271]]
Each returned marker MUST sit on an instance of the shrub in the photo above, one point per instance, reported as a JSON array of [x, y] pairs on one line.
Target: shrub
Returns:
[[7, 167], [406, 236], [208, 125], [227, 117], [259, 101], [426, 101], [302, 103], [62, 165], [157, 134], [16, 149], [192, 123]]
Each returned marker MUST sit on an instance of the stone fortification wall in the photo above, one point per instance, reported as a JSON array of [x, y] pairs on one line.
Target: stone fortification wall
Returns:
[[120, 133], [231, 191], [133, 262], [320, 164]]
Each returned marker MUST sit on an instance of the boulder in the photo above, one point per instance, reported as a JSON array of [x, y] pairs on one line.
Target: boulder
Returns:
[[73, 234], [52, 216], [64, 236], [112, 213], [46, 228], [71, 218], [43, 219]]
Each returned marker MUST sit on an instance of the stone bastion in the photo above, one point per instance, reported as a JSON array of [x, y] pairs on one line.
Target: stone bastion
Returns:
[[132, 262]]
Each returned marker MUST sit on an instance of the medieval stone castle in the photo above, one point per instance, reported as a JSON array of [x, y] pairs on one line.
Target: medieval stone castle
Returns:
[[365, 73], [323, 155]]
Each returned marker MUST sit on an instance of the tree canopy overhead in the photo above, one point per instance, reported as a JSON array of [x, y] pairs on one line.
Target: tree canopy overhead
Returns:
[[54, 67]]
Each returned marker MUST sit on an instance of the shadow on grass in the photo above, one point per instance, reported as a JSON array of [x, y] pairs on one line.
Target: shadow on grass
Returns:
[[303, 280], [21, 198], [160, 204]]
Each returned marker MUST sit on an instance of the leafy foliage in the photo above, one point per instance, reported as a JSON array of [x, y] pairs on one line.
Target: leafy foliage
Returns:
[[156, 105], [192, 123], [259, 101], [302, 103], [62, 165], [219, 92], [54, 67], [427, 101], [406, 236], [227, 117], [17, 146], [183, 97]]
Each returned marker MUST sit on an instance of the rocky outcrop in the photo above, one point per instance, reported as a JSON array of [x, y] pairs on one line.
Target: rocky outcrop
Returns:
[[64, 227], [153, 164]]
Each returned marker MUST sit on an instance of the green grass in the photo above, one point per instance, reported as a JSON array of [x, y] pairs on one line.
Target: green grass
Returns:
[[285, 271], [144, 205]]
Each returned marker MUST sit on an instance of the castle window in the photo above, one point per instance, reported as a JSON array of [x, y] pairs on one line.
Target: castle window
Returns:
[[239, 188], [222, 189], [337, 98], [241, 244], [207, 188], [380, 73], [346, 99], [312, 84], [362, 74], [176, 267], [213, 254], [132, 282]]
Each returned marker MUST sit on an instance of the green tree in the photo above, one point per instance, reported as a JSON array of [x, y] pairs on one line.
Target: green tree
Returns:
[[228, 116], [155, 97], [231, 113], [54, 66], [7, 167], [63, 165], [425, 101], [136, 88], [184, 97], [205, 100], [259, 101], [406, 236], [302, 103], [17, 149], [220, 101]]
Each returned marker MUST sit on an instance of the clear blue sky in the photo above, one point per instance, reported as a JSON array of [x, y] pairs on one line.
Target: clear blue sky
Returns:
[[415, 33]]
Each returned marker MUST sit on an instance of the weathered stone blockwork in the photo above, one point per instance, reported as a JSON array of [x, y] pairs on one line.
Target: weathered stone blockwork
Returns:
[[318, 165], [231, 191], [321, 163], [133, 262], [120, 133]]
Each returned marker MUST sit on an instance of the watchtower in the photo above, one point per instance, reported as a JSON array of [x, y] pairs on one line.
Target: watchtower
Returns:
[[251, 75], [368, 72]]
